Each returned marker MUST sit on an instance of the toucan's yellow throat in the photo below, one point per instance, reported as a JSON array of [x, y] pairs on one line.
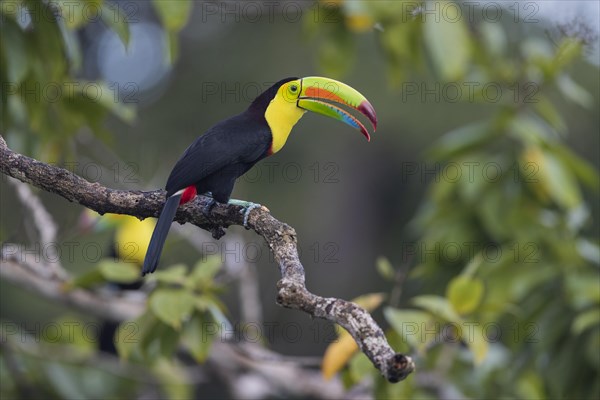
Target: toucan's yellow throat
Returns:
[[282, 114]]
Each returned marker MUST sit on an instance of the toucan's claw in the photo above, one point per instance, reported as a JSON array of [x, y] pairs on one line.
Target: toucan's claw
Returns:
[[217, 231], [248, 207], [247, 213], [206, 210]]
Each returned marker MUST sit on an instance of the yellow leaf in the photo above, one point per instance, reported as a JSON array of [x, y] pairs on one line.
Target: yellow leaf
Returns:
[[338, 354], [359, 22], [370, 301]]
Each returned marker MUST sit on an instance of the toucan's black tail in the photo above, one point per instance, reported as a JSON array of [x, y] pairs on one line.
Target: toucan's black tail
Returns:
[[160, 234]]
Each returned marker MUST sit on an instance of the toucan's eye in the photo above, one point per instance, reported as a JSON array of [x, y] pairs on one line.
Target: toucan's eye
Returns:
[[293, 88]]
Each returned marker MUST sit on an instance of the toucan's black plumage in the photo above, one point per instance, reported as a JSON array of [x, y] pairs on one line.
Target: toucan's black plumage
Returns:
[[214, 161], [226, 151]]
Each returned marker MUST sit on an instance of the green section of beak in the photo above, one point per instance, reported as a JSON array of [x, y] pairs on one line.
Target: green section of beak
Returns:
[[324, 96]]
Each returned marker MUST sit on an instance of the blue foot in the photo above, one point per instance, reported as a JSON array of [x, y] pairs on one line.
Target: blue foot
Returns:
[[208, 208], [248, 206]]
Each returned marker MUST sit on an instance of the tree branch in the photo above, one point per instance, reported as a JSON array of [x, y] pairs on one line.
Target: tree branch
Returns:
[[44, 224], [280, 237], [105, 306]]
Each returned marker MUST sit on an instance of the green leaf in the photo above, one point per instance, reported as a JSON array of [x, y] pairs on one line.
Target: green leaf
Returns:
[[85, 280], [172, 306], [198, 335], [398, 44], [176, 274], [120, 272], [589, 251], [411, 325], [65, 380], [571, 90], [530, 386], [449, 46], [583, 290], [473, 266], [529, 276], [569, 49], [529, 130], [75, 12], [584, 171], [465, 293], [461, 140], [173, 14], [48, 49], [124, 111], [438, 306], [72, 48], [491, 208], [385, 269], [547, 111], [205, 270], [474, 337], [71, 331], [160, 342], [14, 50], [172, 47], [173, 378], [115, 18], [130, 335], [536, 49], [562, 186], [336, 54], [360, 367], [494, 38], [586, 320], [592, 347]]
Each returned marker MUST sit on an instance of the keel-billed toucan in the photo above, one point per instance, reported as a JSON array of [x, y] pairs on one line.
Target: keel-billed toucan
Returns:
[[230, 148]]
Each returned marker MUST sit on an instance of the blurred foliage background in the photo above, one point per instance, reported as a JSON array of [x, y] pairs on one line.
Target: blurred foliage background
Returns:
[[474, 208]]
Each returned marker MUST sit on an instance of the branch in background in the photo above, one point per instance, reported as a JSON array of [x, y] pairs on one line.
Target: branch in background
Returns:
[[106, 306], [280, 237], [45, 226], [253, 372], [269, 373]]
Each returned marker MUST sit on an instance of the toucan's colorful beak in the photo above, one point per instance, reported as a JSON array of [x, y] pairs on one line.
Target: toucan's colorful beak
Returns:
[[324, 96]]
